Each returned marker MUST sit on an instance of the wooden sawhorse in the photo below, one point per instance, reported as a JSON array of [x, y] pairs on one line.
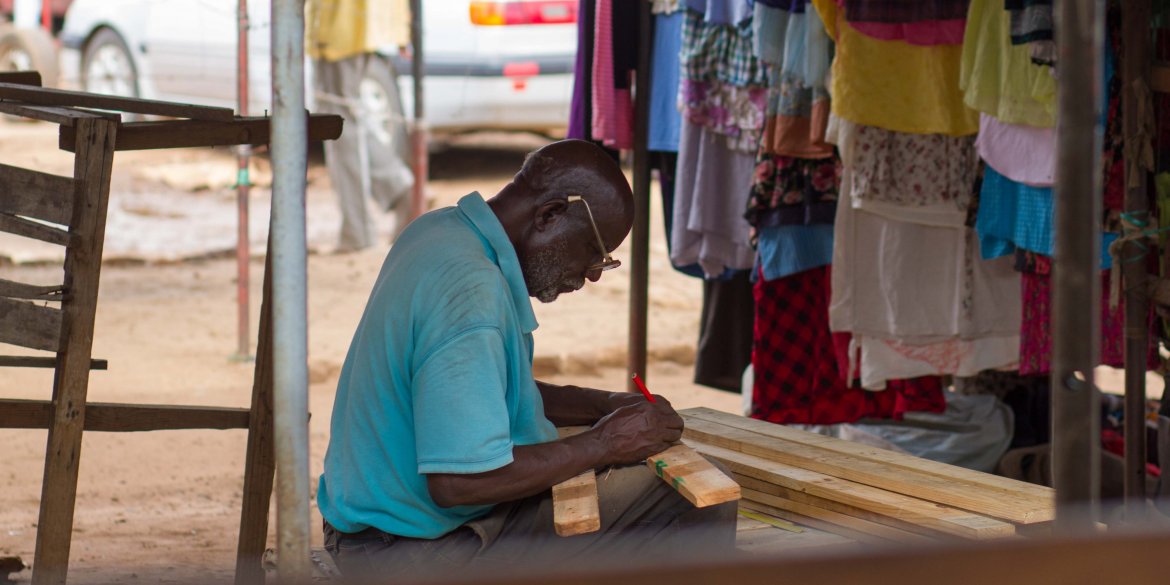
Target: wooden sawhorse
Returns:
[[60, 318]]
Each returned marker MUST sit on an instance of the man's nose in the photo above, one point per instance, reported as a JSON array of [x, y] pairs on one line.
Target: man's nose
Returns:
[[593, 275]]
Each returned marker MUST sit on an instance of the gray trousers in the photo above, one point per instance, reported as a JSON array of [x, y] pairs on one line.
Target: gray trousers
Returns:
[[642, 520], [368, 160]]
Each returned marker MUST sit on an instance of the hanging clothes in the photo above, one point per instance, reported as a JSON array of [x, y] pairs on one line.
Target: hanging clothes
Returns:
[[1024, 154], [923, 22], [796, 373], [1033, 24], [722, 95], [918, 178], [922, 101], [999, 78], [614, 60], [665, 119], [581, 105], [917, 298]]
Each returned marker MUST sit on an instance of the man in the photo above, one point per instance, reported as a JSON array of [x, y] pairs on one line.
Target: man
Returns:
[[358, 83], [443, 446]]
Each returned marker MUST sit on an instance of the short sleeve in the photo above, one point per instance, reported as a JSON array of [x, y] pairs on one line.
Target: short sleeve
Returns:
[[460, 407]]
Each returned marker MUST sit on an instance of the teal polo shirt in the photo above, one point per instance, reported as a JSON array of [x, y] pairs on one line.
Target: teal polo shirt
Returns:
[[438, 378]]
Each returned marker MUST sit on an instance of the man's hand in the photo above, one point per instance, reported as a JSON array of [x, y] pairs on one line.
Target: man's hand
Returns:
[[638, 430]]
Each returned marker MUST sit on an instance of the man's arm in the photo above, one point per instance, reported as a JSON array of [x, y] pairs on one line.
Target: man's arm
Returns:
[[573, 405], [629, 434]]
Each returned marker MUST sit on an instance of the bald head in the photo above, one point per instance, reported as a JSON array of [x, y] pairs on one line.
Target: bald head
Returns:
[[551, 232]]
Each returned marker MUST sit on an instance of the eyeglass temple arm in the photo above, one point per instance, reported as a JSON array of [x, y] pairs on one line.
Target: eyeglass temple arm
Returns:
[[593, 224]]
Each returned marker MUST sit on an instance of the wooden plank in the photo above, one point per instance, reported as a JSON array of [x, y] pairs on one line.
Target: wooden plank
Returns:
[[32, 292], [701, 483], [198, 133], [21, 77], [92, 167], [891, 528], [961, 488], [35, 194], [28, 361], [888, 504], [124, 418], [1136, 558], [28, 325], [53, 114], [30, 229], [260, 463], [813, 522], [575, 509], [899, 460], [59, 97], [760, 538]]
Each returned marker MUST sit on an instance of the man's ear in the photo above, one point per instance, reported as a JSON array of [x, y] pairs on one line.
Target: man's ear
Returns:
[[549, 214]]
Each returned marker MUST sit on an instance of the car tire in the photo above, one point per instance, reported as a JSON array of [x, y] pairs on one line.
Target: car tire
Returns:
[[29, 49], [107, 67]]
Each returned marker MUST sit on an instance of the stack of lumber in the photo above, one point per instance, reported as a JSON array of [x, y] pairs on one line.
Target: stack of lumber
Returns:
[[863, 492]]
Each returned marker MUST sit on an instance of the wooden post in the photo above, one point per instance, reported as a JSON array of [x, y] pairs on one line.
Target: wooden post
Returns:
[[93, 164], [1136, 106], [260, 466], [1076, 284], [640, 239]]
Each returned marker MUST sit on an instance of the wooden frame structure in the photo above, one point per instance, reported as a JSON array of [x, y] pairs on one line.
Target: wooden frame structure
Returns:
[[29, 199]]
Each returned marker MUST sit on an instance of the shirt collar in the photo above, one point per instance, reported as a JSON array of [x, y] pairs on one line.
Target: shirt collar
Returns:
[[484, 221]]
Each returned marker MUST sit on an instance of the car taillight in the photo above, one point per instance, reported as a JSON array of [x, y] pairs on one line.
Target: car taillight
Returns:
[[506, 13]]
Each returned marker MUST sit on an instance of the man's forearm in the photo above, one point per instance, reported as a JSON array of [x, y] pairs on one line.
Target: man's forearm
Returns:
[[572, 405], [534, 468]]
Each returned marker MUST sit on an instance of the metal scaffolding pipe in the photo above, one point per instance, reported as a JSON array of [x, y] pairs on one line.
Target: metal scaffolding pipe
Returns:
[[1076, 306], [640, 240], [290, 310], [243, 189], [418, 127]]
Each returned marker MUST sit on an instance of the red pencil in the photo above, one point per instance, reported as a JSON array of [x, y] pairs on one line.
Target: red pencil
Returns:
[[642, 387]]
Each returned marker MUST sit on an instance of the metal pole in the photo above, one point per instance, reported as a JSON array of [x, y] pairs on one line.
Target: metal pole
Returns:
[[243, 187], [290, 355], [640, 244], [1135, 69], [1076, 284], [418, 134]]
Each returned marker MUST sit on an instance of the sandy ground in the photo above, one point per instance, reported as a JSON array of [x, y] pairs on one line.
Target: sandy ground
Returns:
[[164, 506]]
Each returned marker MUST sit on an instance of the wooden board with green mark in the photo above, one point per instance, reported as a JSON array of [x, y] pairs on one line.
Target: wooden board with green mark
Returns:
[[694, 477]]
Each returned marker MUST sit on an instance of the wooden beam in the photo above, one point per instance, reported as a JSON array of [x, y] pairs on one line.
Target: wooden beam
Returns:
[[260, 462], [701, 483], [36, 195], [199, 133], [775, 495], [124, 418], [41, 96], [945, 484], [30, 229], [889, 504], [21, 77], [28, 361], [92, 167], [1132, 558], [827, 520], [32, 292], [575, 509], [53, 114], [29, 325]]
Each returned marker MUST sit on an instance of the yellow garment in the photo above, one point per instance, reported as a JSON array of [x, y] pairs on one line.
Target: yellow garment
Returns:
[[895, 85], [337, 29], [999, 78]]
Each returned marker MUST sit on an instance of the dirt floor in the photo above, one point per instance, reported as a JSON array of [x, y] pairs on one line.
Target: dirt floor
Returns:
[[164, 506]]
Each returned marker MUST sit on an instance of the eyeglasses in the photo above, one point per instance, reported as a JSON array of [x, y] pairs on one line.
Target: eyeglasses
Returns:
[[607, 261]]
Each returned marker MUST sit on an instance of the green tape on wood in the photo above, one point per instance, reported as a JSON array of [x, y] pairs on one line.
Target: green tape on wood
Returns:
[[659, 465]]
